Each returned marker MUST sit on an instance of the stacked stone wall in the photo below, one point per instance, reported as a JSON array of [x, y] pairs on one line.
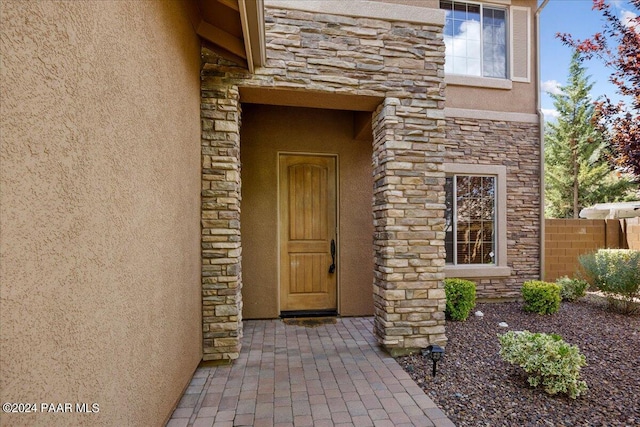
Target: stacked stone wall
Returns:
[[409, 299], [400, 62], [515, 145], [221, 249], [359, 56]]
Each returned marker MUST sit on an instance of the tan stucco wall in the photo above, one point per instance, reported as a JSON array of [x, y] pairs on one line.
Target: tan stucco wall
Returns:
[[520, 99], [99, 209], [267, 130]]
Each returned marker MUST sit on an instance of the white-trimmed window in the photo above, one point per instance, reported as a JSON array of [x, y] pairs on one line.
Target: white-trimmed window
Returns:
[[475, 230], [475, 37]]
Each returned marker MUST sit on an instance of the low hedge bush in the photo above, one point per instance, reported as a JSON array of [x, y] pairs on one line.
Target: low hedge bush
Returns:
[[541, 297], [549, 361], [615, 272], [572, 289], [461, 298]]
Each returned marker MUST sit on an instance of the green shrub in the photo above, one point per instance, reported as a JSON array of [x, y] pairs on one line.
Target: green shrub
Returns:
[[572, 289], [541, 297], [461, 298], [616, 272], [547, 359]]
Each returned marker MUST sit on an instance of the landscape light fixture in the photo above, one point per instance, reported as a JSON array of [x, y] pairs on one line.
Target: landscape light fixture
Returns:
[[435, 353]]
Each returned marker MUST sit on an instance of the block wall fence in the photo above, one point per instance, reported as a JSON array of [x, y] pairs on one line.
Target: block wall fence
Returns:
[[567, 239]]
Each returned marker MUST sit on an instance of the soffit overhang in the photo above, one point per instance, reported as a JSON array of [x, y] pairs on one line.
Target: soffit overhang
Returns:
[[233, 29]]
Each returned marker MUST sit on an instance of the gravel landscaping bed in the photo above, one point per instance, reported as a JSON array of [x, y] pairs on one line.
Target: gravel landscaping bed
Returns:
[[475, 387]]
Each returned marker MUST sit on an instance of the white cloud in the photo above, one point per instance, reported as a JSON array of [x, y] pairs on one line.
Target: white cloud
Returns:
[[495, 51], [550, 114], [551, 86], [463, 50], [628, 19]]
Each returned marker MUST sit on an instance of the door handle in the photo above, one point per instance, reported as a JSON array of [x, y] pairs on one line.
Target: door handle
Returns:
[[332, 267]]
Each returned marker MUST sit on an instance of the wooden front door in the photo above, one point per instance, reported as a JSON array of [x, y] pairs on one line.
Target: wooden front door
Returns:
[[307, 229]]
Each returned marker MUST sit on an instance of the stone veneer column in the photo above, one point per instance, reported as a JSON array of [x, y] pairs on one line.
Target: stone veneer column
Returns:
[[315, 52], [221, 249], [408, 211]]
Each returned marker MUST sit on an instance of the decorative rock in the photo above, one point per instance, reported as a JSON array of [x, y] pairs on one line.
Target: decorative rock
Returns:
[[479, 314], [503, 325]]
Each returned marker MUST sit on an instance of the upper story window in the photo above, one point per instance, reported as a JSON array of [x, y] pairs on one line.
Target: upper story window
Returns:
[[475, 38]]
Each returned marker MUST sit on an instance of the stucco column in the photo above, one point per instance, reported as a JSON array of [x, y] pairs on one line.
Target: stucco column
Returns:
[[408, 209], [221, 249]]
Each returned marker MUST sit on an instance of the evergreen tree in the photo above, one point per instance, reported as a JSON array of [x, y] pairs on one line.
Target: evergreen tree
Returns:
[[577, 173]]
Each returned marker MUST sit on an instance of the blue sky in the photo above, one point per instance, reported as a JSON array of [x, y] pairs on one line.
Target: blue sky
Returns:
[[577, 18]]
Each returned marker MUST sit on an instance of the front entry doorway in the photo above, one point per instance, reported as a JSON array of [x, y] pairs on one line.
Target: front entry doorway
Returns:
[[308, 233]]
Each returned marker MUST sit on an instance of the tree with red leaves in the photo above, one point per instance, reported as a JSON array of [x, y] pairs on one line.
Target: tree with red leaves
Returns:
[[618, 46]]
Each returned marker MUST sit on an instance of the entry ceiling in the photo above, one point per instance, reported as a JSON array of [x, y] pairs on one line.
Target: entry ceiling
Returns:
[[234, 29]]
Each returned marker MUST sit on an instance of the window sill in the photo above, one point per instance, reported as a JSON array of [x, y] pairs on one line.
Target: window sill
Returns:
[[472, 271], [485, 82]]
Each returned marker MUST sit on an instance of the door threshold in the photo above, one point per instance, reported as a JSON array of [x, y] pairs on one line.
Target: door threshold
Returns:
[[292, 314]]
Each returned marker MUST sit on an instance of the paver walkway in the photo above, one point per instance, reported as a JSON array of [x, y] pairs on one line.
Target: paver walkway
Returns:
[[289, 375]]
